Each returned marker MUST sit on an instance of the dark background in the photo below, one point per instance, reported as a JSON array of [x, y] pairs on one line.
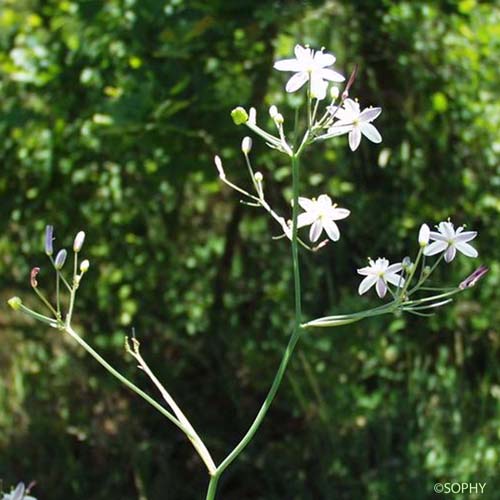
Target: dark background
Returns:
[[111, 112]]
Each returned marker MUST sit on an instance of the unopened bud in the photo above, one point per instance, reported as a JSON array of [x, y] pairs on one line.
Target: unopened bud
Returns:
[[471, 280], [258, 177], [278, 119], [15, 303], [239, 115], [49, 238], [406, 263], [33, 275], [253, 116], [246, 145], [423, 235], [273, 111], [78, 243], [220, 169], [334, 92], [60, 259], [84, 266]]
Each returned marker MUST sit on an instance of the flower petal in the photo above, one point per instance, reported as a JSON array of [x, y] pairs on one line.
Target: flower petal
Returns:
[[318, 86], [339, 130], [394, 268], [365, 271], [331, 229], [437, 236], [447, 229], [352, 107], [307, 204], [332, 76], [466, 249], [339, 213], [324, 59], [435, 247], [306, 219], [343, 114], [381, 288], [316, 230], [465, 236], [354, 138], [366, 284], [450, 253], [296, 81], [302, 53], [395, 279], [288, 65], [370, 132], [369, 114], [324, 201]]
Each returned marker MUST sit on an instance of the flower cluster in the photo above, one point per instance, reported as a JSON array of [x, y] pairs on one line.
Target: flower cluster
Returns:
[[447, 241], [56, 319]]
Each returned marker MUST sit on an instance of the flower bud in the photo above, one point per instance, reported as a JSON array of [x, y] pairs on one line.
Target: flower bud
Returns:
[[472, 279], [258, 177], [407, 264], [15, 303], [278, 119], [84, 266], [49, 238], [239, 115], [78, 243], [253, 116], [273, 111], [220, 169], [246, 145], [60, 259], [423, 235], [334, 92], [33, 275]]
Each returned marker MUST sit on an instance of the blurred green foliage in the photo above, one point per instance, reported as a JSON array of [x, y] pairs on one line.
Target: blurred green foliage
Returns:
[[111, 112]]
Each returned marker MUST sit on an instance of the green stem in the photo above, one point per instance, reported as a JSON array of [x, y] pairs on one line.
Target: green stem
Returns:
[[69, 330], [212, 487]]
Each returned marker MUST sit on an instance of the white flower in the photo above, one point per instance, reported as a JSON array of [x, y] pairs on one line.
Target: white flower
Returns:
[[310, 65], [355, 122], [18, 494], [379, 273], [423, 235], [449, 240], [321, 214]]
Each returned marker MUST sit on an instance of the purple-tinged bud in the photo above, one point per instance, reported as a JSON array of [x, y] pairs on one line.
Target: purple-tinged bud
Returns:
[[78, 243], [60, 259], [49, 238], [473, 278], [33, 275], [15, 303], [407, 264]]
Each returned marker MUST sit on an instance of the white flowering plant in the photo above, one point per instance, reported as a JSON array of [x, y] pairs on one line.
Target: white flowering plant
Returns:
[[329, 112]]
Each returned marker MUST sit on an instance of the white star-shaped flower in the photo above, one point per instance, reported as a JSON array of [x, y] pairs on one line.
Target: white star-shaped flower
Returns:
[[379, 273], [449, 240], [351, 120], [310, 65], [321, 214], [18, 494]]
